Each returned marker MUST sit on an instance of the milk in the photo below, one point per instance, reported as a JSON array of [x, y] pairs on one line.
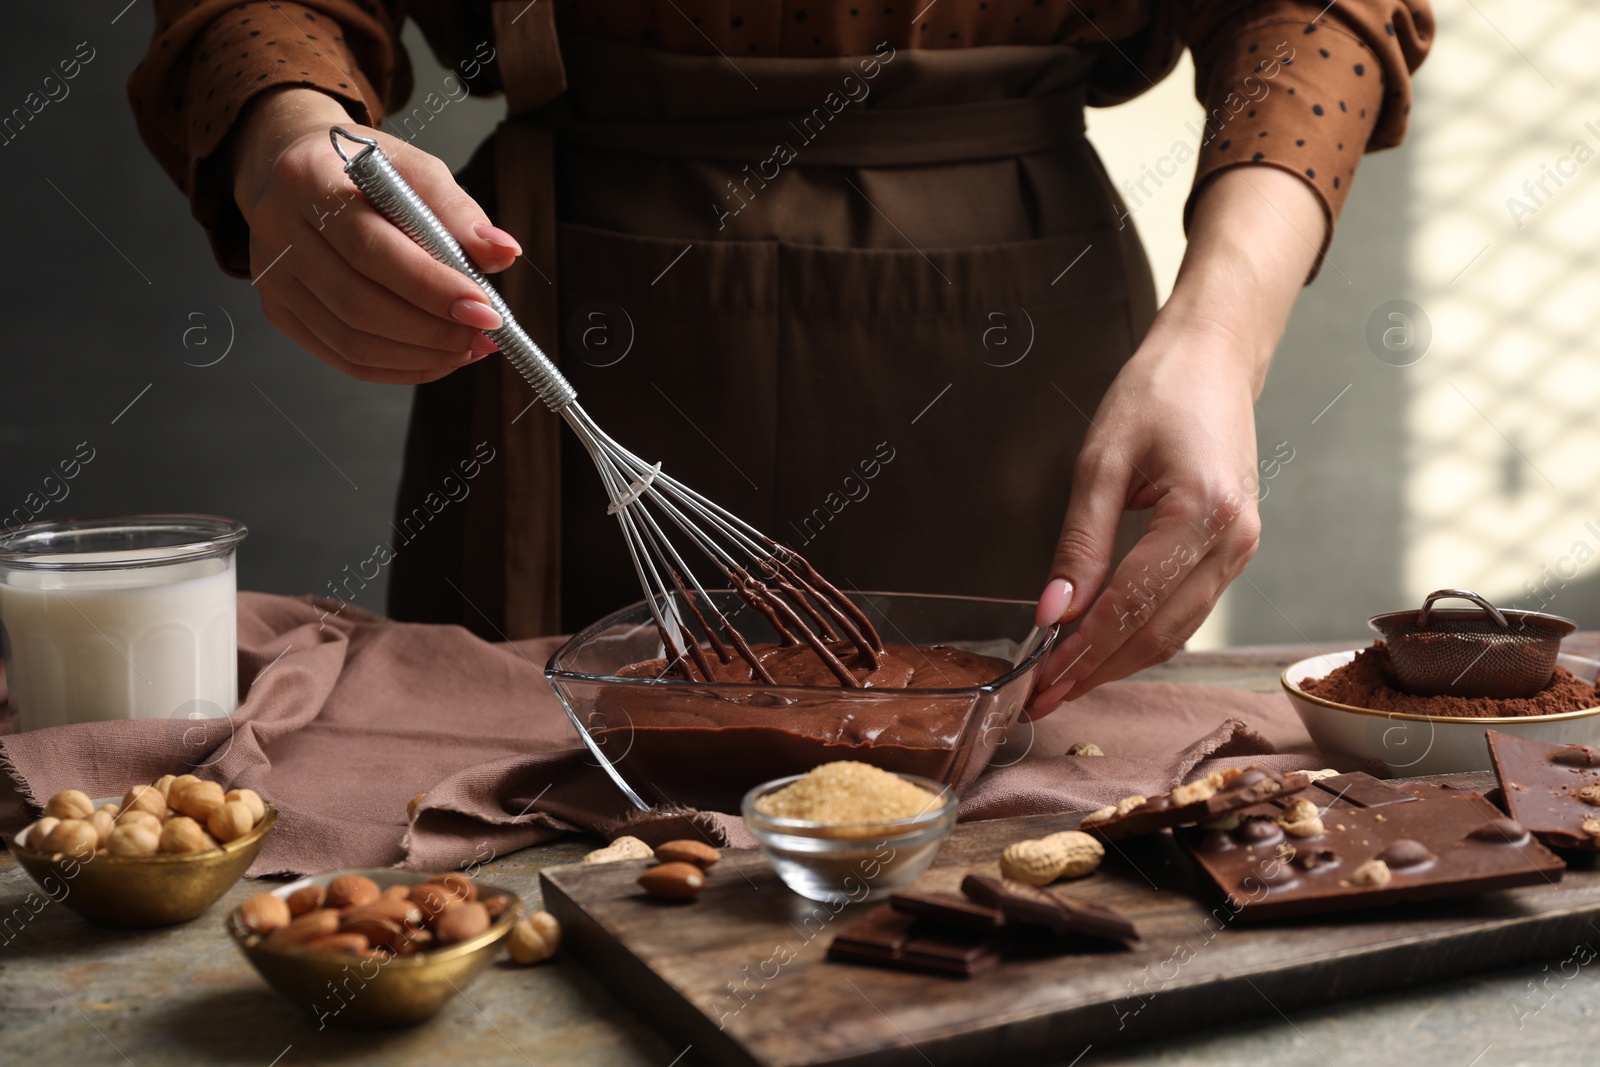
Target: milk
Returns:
[[142, 643]]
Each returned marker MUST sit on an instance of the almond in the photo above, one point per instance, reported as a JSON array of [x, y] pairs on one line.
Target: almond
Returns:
[[308, 927], [378, 932], [673, 881], [698, 853], [353, 943], [460, 922], [456, 885], [264, 913], [306, 899], [352, 889]]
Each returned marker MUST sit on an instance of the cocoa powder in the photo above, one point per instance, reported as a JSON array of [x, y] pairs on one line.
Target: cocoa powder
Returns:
[[1368, 682]]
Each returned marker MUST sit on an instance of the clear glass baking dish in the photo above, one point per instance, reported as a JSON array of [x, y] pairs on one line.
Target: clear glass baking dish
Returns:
[[672, 742]]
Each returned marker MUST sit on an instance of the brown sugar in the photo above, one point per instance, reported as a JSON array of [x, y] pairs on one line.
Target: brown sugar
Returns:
[[848, 793], [1368, 682]]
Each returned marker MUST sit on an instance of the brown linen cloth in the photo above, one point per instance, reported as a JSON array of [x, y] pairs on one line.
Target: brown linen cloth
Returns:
[[349, 715]]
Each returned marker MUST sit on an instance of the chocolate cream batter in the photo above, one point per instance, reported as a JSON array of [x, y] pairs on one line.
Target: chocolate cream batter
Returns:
[[704, 746]]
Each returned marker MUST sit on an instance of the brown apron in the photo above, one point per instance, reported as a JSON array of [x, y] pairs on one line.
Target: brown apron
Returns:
[[875, 332]]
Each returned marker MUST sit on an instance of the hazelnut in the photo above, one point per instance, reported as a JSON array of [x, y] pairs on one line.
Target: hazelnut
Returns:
[[1317, 776], [1127, 804], [196, 799], [1193, 793], [1589, 794], [138, 817], [461, 922], [534, 939], [1085, 748], [1591, 827], [182, 834], [1301, 818], [1371, 874], [623, 848], [264, 913], [74, 837], [181, 781], [252, 799], [231, 821], [673, 881], [70, 804], [698, 853], [307, 898], [38, 833], [163, 785], [102, 822], [1100, 815], [349, 890], [145, 798], [134, 839]]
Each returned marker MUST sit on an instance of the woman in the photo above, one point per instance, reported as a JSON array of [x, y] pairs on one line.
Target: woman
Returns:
[[851, 270]]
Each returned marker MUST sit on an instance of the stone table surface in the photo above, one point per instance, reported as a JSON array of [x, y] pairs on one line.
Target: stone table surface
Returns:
[[73, 994]]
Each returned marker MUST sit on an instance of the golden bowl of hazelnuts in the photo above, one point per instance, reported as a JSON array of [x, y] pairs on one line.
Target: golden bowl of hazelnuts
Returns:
[[379, 946], [160, 854]]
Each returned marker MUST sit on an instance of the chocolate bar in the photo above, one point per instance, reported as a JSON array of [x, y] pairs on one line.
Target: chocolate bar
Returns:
[[1428, 847], [948, 909], [1023, 905], [1553, 790], [889, 938], [1208, 798]]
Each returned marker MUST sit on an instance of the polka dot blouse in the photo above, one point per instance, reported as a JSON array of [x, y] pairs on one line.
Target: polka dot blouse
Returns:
[[1301, 86]]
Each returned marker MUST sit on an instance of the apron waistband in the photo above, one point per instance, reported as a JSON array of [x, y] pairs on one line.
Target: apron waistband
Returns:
[[851, 137]]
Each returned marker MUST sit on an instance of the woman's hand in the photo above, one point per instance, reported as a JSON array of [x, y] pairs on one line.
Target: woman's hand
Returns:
[[338, 278], [1176, 434]]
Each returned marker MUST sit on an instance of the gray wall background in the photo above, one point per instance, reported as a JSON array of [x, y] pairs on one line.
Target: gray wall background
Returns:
[[106, 271]]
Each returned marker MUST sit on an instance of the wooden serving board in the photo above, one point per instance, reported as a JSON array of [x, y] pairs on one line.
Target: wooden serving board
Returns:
[[740, 974]]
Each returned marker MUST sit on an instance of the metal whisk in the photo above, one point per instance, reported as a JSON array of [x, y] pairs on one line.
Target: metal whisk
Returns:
[[801, 605]]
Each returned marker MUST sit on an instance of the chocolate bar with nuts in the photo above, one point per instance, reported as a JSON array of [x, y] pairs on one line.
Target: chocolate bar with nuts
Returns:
[[1553, 790], [1217, 794], [1325, 852]]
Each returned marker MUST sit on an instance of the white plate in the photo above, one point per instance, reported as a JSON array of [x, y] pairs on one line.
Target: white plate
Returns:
[[1426, 744]]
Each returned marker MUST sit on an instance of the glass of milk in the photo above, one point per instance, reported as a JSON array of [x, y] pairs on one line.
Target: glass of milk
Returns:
[[120, 618]]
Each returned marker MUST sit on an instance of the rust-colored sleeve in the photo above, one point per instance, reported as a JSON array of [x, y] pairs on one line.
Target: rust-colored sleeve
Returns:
[[209, 58], [1304, 87]]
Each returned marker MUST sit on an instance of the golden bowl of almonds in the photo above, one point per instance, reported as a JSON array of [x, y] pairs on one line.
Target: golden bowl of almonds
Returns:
[[160, 854], [379, 946]]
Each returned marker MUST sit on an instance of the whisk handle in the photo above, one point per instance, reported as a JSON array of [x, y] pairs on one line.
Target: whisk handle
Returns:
[[394, 198]]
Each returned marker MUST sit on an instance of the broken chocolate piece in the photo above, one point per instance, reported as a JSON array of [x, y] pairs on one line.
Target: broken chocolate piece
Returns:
[[1362, 790], [1241, 790], [1429, 848], [948, 909], [1023, 905], [888, 938], [1546, 788]]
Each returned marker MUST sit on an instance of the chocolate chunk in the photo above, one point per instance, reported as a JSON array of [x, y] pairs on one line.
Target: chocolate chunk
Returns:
[[1362, 790], [1543, 786], [1405, 853], [947, 909], [1215, 841], [1432, 847], [1024, 905], [888, 938], [1248, 787]]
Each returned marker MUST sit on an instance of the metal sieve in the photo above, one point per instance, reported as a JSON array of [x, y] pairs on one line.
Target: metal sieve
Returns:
[[1471, 652]]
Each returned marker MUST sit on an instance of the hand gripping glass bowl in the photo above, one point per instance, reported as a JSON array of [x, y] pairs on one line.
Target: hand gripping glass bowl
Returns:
[[704, 745]]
